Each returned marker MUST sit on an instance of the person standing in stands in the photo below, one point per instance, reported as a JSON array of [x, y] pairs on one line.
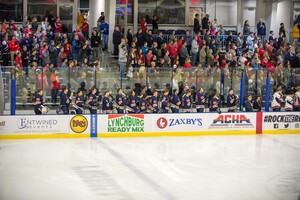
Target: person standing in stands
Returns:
[[155, 24], [248, 104], [246, 28], [261, 28], [231, 101], [205, 23], [282, 30], [197, 23], [144, 24], [65, 100], [79, 103], [92, 101], [117, 37], [5, 51], [200, 101], [38, 102], [277, 100], [104, 30]]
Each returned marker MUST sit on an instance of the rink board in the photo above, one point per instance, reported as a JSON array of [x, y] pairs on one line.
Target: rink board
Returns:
[[147, 125]]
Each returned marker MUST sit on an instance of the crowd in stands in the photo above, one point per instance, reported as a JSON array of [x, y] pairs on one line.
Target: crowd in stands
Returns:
[[209, 49]]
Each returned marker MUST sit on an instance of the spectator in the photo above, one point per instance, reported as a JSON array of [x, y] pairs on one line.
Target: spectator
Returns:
[[104, 29], [122, 59], [261, 28], [183, 54], [248, 104], [194, 50], [250, 39], [149, 39], [53, 53], [25, 59], [282, 30], [46, 55], [213, 27], [5, 51], [13, 25], [45, 24], [55, 86], [117, 36], [3, 26], [187, 64], [154, 24], [25, 22], [61, 56], [82, 54], [101, 18], [205, 23], [18, 60], [95, 43], [246, 29], [188, 39], [271, 36], [140, 39], [202, 58], [51, 18], [58, 26], [85, 29], [144, 24], [76, 46], [257, 104], [49, 34], [196, 23], [159, 40], [34, 24], [129, 37], [80, 19]]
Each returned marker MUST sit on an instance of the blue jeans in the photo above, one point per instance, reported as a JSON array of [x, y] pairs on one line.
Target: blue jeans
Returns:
[[194, 59], [104, 41], [122, 68]]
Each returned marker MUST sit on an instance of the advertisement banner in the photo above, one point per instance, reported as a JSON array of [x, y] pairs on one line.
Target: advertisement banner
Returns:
[[44, 124], [121, 123], [231, 121], [281, 121], [178, 122]]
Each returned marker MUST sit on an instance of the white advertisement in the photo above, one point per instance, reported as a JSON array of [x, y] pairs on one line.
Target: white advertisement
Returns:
[[44, 124], [178, 122], [231, 121], [281, 121]]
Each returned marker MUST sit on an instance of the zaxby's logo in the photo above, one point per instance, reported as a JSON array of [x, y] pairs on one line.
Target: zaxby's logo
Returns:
[[231, 121], [126, 123], [26, 123], [78, 124], [163, 122]]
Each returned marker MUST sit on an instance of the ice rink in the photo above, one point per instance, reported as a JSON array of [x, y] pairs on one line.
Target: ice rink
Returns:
[[253, 167]]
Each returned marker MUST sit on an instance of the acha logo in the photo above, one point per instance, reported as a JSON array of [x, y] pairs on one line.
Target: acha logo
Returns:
[[231, 121], [25, 123], [78, 124], [162, 123]]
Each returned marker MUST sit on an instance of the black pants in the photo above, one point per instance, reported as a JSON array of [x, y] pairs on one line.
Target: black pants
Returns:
[[200, 110], [65, 109], [37, 111], [5, 58]]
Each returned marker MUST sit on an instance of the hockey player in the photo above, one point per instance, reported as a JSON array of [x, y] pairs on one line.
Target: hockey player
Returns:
[[297, 99], [200, 101], [65, 100], [119, 101], [154, 102], [214, 103], [277, 100], [131, 103], [231, 101], [38, 102], [107, 105], [143, 104], [79, 103], [165, 102], [186, 102], [289, 101], [175, 102], [92, 101]]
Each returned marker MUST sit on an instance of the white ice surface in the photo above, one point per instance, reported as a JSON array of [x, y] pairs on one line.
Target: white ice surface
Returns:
[[208, 167]]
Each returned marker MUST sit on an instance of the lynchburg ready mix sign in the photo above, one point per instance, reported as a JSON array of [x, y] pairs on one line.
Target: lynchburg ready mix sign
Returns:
[[126, 123]]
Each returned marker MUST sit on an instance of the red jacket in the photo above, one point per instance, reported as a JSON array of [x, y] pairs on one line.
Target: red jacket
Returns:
[[19, 61], [144, 25], [13, 46], [58, 27], [85, 27], [187, 65], [173, 51]]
